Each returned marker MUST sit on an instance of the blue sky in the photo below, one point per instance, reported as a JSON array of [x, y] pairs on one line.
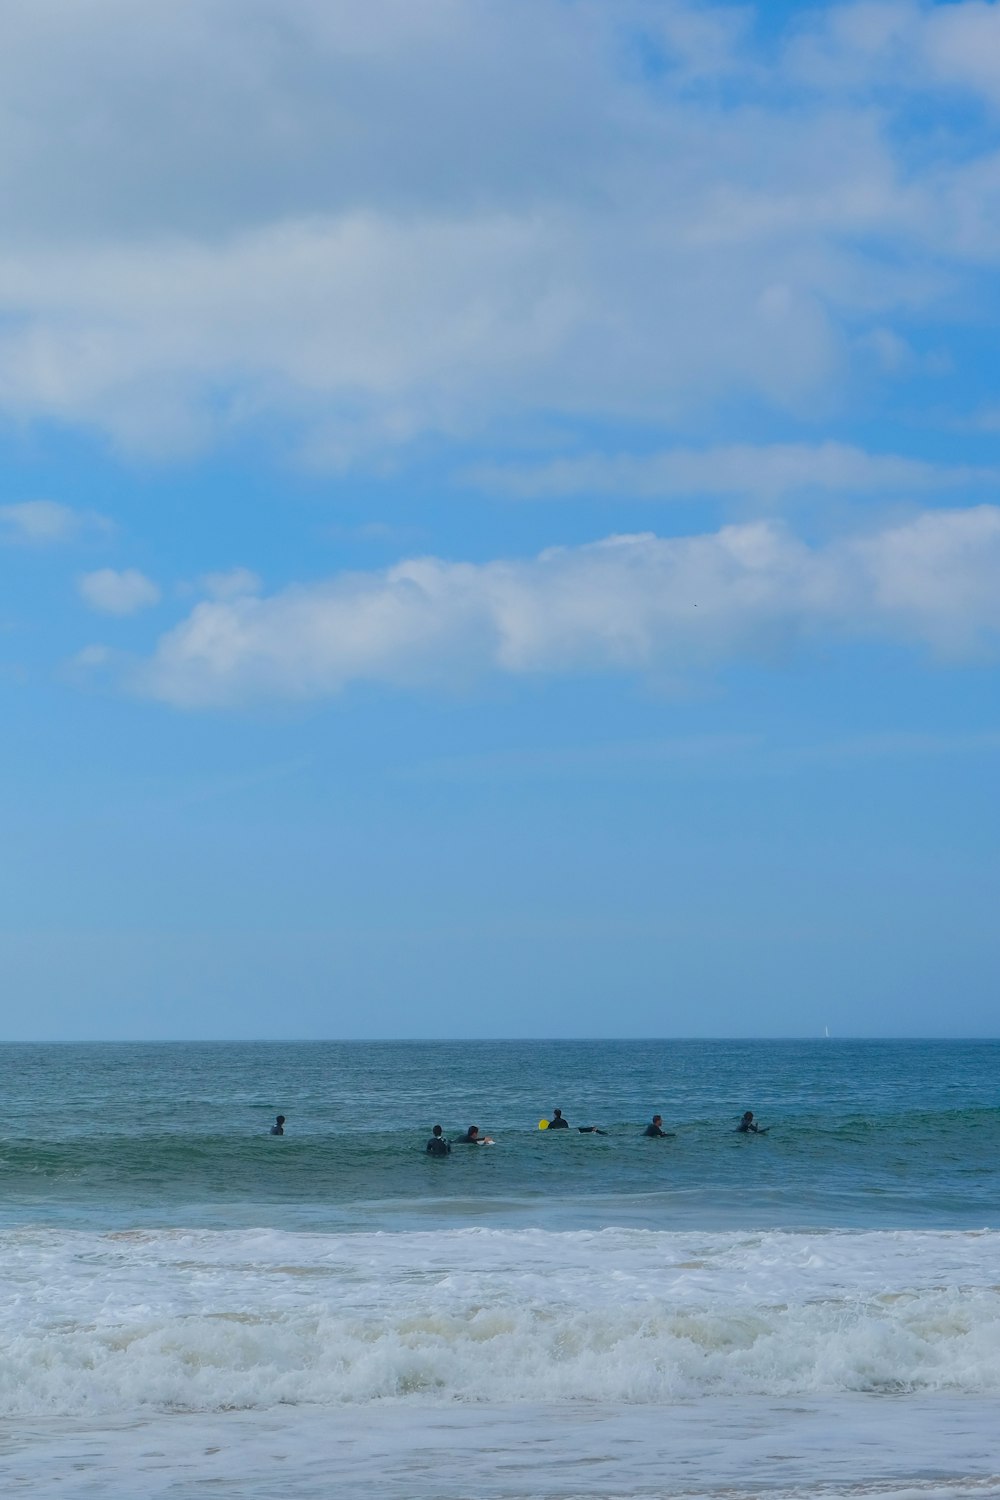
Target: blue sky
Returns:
[[499, 518]]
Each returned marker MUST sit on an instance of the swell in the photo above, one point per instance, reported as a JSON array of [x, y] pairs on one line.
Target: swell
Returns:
[[944, 1165]]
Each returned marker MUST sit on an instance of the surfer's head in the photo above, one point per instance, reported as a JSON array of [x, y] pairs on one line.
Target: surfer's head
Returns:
[[437, 1130]]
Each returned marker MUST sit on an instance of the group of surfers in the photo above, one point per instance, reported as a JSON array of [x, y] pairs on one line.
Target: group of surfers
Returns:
[[439, 1145]]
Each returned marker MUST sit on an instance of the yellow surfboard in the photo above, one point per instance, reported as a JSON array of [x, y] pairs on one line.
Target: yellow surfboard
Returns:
[[543, 1124]]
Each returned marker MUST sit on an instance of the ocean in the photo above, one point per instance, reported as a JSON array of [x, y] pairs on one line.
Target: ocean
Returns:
[[192, 1307]]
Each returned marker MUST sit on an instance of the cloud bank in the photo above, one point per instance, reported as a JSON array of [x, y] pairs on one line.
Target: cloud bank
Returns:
[[643, 604], [373, 220]]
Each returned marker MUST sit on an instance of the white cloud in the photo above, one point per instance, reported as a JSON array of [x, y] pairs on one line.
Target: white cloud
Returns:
[[905, 47], [937, 577], [987, 419], [93, 656], [387, 328], [961, 46], [46, 522], [633, 604], [742, 471], [376, 219], [114, 592], [232, 583]]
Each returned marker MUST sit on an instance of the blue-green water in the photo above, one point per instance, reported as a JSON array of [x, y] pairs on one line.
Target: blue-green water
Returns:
[[190, 1306], [863, 1134]]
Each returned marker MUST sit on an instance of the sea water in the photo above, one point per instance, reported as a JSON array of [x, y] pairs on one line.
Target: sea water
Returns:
[[193, 1307]]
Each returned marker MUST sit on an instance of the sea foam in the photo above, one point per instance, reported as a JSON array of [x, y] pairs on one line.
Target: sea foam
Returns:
[[122, 1324]]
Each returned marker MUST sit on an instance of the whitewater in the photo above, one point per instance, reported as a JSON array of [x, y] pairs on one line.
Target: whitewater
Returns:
[[624, 1319]]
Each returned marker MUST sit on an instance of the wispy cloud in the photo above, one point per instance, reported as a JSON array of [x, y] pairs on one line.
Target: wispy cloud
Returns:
[[611, 758], [768, 473], [43, 523], [231, 583], [629, 604], [118, 592], [709, 755], [895, 745]]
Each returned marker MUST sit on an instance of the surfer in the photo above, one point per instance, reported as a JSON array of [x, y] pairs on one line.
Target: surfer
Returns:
[[655, 1128], [558, 1123], [473, 1138], [437, 1145], [748, 1126], [278, 1128]]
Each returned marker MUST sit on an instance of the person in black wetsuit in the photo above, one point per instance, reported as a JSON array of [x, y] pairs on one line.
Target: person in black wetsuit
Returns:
[[437, 1145], [747, 1125], [473, 1138], [278, 1128], [558, 1123], [655, 1128]]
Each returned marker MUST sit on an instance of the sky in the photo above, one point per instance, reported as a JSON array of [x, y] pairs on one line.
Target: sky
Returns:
[[499, 518]]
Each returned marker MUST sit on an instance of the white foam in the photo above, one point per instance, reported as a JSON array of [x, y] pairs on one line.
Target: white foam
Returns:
[[120, 1325]]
